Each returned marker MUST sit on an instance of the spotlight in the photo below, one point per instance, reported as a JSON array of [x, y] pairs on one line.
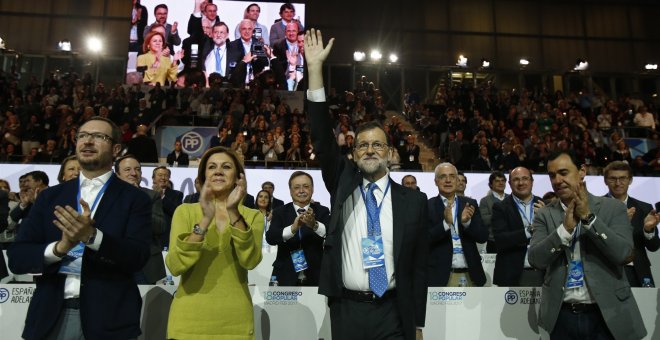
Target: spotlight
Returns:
[[94, 44], [581, 65], [462, 61], [651, 67], [524, 62], [64, 45], [359, 55], [376, 55], [485, 63], [393, 58]]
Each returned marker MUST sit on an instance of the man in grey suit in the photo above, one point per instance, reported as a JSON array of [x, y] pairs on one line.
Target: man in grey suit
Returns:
[[582, 242], [129, 169]]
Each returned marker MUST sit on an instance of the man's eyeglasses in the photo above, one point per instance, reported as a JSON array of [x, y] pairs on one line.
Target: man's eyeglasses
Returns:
[[377, 146], [95, 137], [622, 179]]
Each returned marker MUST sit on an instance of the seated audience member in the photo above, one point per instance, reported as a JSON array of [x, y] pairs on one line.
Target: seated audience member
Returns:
[[298, 230], [177, 157], [128, 169]]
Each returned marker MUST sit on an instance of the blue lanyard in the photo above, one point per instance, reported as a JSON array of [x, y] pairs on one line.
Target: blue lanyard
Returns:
[[531, 210], [96, 200], [454, 226], [364, 197]]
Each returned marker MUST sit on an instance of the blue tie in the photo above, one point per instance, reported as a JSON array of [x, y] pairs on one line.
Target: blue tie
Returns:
[[218, 61], [377, 275]]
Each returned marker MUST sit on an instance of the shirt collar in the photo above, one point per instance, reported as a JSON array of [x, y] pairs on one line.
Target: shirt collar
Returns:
[[296, 207], [498, 196], [444, 199], [381, 183], [84, 181], [518, 200]]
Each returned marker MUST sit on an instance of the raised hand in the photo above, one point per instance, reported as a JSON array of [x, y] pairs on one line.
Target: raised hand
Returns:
[[468, 211], [315, 53], [74, 226], [651, 221], [581, 200], [239, 192], [569, 219]]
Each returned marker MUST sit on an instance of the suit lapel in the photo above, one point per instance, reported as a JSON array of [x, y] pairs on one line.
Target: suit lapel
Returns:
[[398, 201]]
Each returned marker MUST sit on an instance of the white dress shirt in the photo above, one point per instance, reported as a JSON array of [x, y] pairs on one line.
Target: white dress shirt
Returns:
[[286, 232], [354, 276], [209, 64]]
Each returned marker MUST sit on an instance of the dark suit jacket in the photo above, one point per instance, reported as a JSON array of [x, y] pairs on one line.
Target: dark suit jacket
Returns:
[[182, 160], [641, 261], [4, 213], [276, 203], [341, 177], [171, 201], [208, 47], [248, 201], [405, 155], [279, 51], [511, 241], [195, 27], [154, 269], [311, 244], [144, 149], [441, 249], [236, 70], [604, 248], [109, 298]]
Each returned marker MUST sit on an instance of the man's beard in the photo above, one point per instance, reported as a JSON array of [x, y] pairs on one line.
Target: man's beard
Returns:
[[372, 166]]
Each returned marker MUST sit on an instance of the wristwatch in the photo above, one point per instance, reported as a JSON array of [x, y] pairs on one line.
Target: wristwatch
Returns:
[[588, 220], [199, 230]]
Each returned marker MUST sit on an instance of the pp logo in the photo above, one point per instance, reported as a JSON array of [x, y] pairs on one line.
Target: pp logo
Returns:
[[192, 142], [511, 297], [4, 295]]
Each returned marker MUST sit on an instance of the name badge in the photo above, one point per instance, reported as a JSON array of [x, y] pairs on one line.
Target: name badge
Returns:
[[456, 244], [299, 261], [575, 275], [373, 253], [72, 262], [411, 158]]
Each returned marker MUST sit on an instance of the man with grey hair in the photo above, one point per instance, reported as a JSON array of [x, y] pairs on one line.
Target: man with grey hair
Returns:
[[367, 240], [456, 227]]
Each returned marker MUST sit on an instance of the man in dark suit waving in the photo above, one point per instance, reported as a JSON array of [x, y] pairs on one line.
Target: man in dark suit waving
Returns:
[[298, 230], [374, 257], [512, 229], [86, 238], [643, 218], [455, 227]]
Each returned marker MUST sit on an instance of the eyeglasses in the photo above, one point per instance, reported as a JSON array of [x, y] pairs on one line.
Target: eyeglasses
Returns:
[[377, 146], [95, 137], [521, 179], [622, 179]]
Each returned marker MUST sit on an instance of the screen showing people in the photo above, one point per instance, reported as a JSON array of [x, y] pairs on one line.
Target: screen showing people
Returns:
[[175, 42]]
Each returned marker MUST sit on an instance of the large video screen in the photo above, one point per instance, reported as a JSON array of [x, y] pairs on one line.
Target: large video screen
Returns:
[[194, 35]]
